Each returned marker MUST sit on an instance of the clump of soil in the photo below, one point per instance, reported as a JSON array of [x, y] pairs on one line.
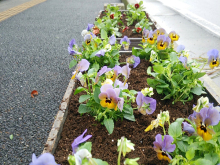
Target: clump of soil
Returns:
[[104, 146]]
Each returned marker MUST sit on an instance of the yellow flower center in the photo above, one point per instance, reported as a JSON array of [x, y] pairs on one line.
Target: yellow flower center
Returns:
[[88, 42]]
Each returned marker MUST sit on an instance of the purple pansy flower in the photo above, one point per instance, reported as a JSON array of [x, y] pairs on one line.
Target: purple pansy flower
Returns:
[[146, 105], [103, 70], [109, 97], [164, 146], [163, 42], [145, 34], [100, 53], [188, 127], [125, 42], [89, 27], [117, 70], [180, 48], [87, 39], [72, 44], [120, 85], [213, 58], [133, 60], [82, 65], [184, 60], [160, 31], [204, 118], [44, 159], [79, 140], [112, 40], [125, 70]]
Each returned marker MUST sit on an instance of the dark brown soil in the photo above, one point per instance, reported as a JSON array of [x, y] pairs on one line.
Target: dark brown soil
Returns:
[[129, 33], [104, 146]]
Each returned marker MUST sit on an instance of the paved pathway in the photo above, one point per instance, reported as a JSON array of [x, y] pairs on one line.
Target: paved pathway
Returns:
[[34, 56]]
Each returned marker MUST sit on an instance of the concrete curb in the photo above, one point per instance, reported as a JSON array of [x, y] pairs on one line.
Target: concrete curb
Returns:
[[57, 127]]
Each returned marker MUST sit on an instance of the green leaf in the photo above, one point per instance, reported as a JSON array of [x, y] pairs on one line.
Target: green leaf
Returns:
[[83, 98], [100, 162], [11, 136], [109, 124], [187, 73], [104, 34], [197, 90], [183, 146], [200, 74], [80, 89], [87, 145], [151, 82], [190, 154], [118, 34], [115, 52], [93, 54], [72, 63], [179, 120], [95, 66], [203, 162], [84, 109], [175, 129], [129, 117], [96, 95], [158, 69], [140, 3], [173, 57], [71, 160], [159, 90], [147, 50], [217, 127], [91, 72], [213, 157], [163, 86], [187, 81], [128, 109], [150, 73]]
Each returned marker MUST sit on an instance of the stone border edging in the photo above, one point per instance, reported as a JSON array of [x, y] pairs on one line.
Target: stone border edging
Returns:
[[57, 127]]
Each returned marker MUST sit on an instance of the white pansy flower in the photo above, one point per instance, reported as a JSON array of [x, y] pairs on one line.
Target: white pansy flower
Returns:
[[147, 91], [84, 32], [107, 81], [108, 47], [125, 145], [201, 103]]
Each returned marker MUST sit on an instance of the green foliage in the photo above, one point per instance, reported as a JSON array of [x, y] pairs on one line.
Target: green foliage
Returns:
[[174, 80], [193, 150], [109, 124]]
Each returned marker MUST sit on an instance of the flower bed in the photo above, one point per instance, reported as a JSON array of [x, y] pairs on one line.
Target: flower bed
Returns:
[[113, 103], [105, 145]]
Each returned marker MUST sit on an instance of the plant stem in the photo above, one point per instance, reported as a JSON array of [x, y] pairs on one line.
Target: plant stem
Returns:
[[119, 155], [164, 132]]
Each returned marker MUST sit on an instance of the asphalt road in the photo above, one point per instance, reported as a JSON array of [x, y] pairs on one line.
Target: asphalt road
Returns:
[[34, 56]]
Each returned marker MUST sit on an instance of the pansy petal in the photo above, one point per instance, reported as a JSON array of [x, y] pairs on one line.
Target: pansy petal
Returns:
[[112, 39], [83, 65], [157, 147], [180, 48], [167, 146], [103, 95], [188, 127], [105, 87], [158, 138], [139, 99]]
